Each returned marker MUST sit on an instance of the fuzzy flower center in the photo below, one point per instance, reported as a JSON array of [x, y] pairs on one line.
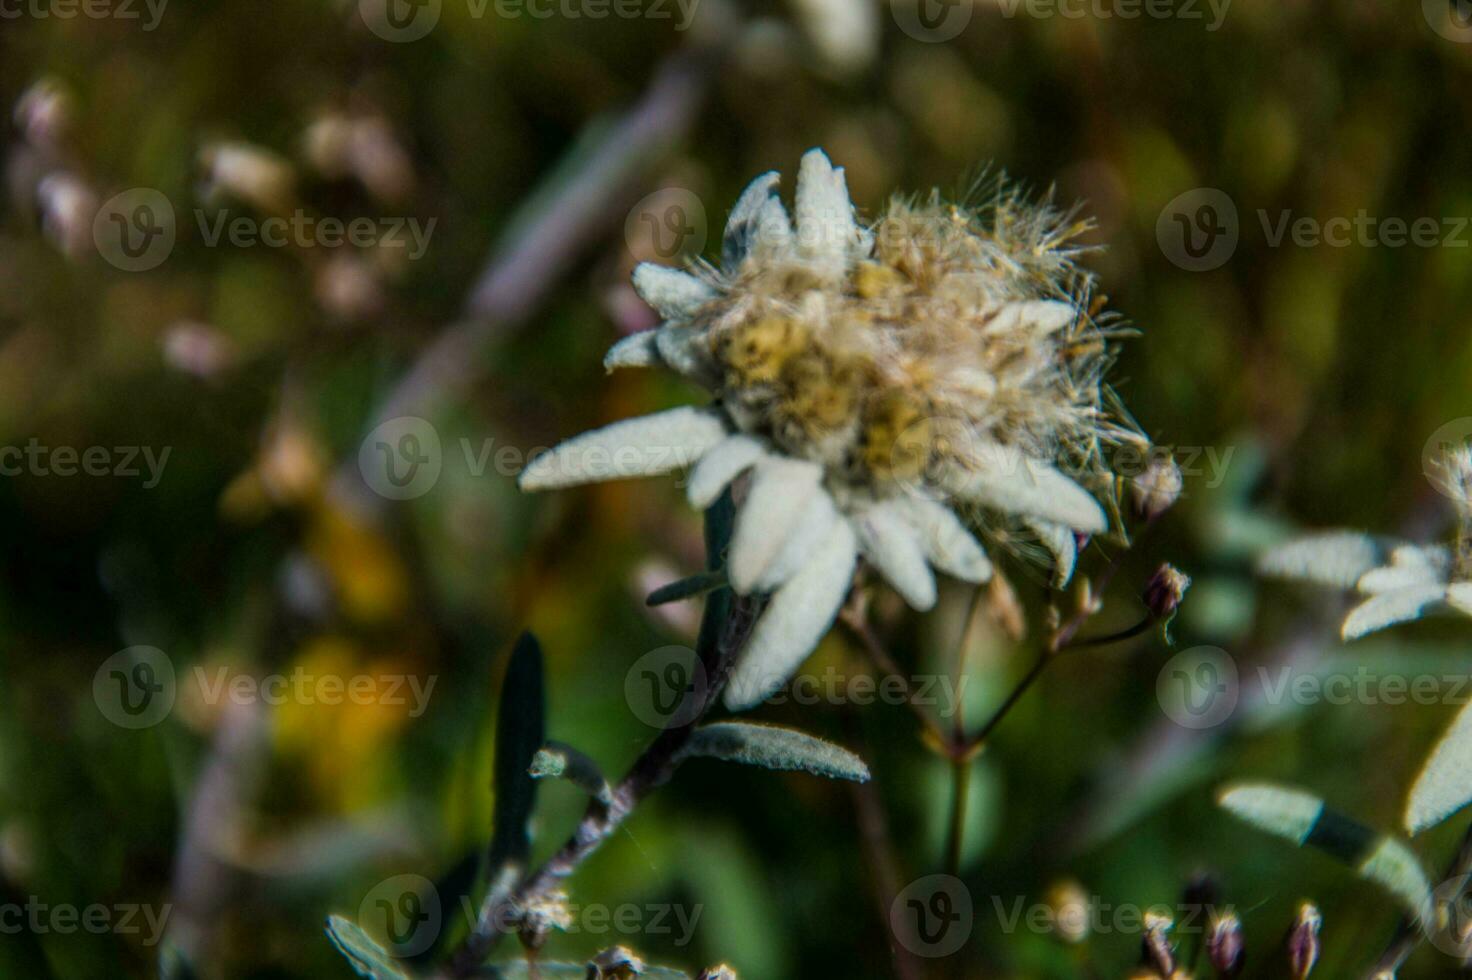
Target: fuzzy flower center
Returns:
[[950, 329]]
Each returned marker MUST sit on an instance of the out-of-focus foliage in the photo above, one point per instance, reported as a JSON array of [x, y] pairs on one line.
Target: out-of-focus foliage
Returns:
[[1301, 381]]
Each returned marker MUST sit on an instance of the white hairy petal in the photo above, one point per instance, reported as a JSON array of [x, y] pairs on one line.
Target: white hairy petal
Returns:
[[1391, 578], [1459, 594], [1338, 558], [949, 546], [1445, 783], [811, 530], [798, 616], [1389, 608], [684, 349], [746, 216], [780, 491], [635, 350], [827, 232], [720, 466], [1043, 315], [674, 294], [1064, 546], [893, 546], [1432, 557], [773, 233], [1004, 478], [643, 446]]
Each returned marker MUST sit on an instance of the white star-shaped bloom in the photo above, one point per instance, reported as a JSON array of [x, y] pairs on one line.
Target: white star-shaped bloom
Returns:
[[872, 381]]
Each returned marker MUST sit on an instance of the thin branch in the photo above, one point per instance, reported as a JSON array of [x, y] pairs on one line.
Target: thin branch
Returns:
[[651, 770]]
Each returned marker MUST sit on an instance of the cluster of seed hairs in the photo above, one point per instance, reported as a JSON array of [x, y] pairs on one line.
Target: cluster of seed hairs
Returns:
[[886, 369], [1454, 478]]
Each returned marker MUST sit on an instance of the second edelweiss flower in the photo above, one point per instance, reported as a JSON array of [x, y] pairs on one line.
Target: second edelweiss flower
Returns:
[[886, 386]]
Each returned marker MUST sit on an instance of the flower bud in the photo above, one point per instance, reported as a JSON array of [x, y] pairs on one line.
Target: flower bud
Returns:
[[1224, 945], [615, 963], [1156, 950], [719, 972], [44, 113], [1303, 941], [1164, 591], [1069, 905], [1156, 489], [68, 207], [250, 173]]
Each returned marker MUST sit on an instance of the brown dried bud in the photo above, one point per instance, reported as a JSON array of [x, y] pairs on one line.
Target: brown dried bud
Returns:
[[1303, 941], [1224, 945], [1156, 490], [1069, 905], [1156, 950], [1164, 591]]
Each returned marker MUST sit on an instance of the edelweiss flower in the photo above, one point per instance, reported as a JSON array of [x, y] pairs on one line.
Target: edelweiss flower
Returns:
[[880, 383], [1402, 581]]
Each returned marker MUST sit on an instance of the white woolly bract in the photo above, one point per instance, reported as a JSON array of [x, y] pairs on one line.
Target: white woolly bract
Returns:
[[1336, 558], [1289, 813], [1444, 785]]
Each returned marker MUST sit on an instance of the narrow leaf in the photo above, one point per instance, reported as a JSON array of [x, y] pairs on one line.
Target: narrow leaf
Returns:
[[1304, 819], [1445, 783], [775, 748], [367, 957], [520, 731], [686, 588], [559, 760]]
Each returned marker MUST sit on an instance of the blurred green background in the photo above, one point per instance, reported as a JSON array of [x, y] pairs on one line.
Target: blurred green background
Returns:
[[534, 143]]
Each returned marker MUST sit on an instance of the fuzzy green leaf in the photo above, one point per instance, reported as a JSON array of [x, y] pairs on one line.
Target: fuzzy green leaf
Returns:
[[367, 957], [774, 747], [559, 760], [1304, 819]]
